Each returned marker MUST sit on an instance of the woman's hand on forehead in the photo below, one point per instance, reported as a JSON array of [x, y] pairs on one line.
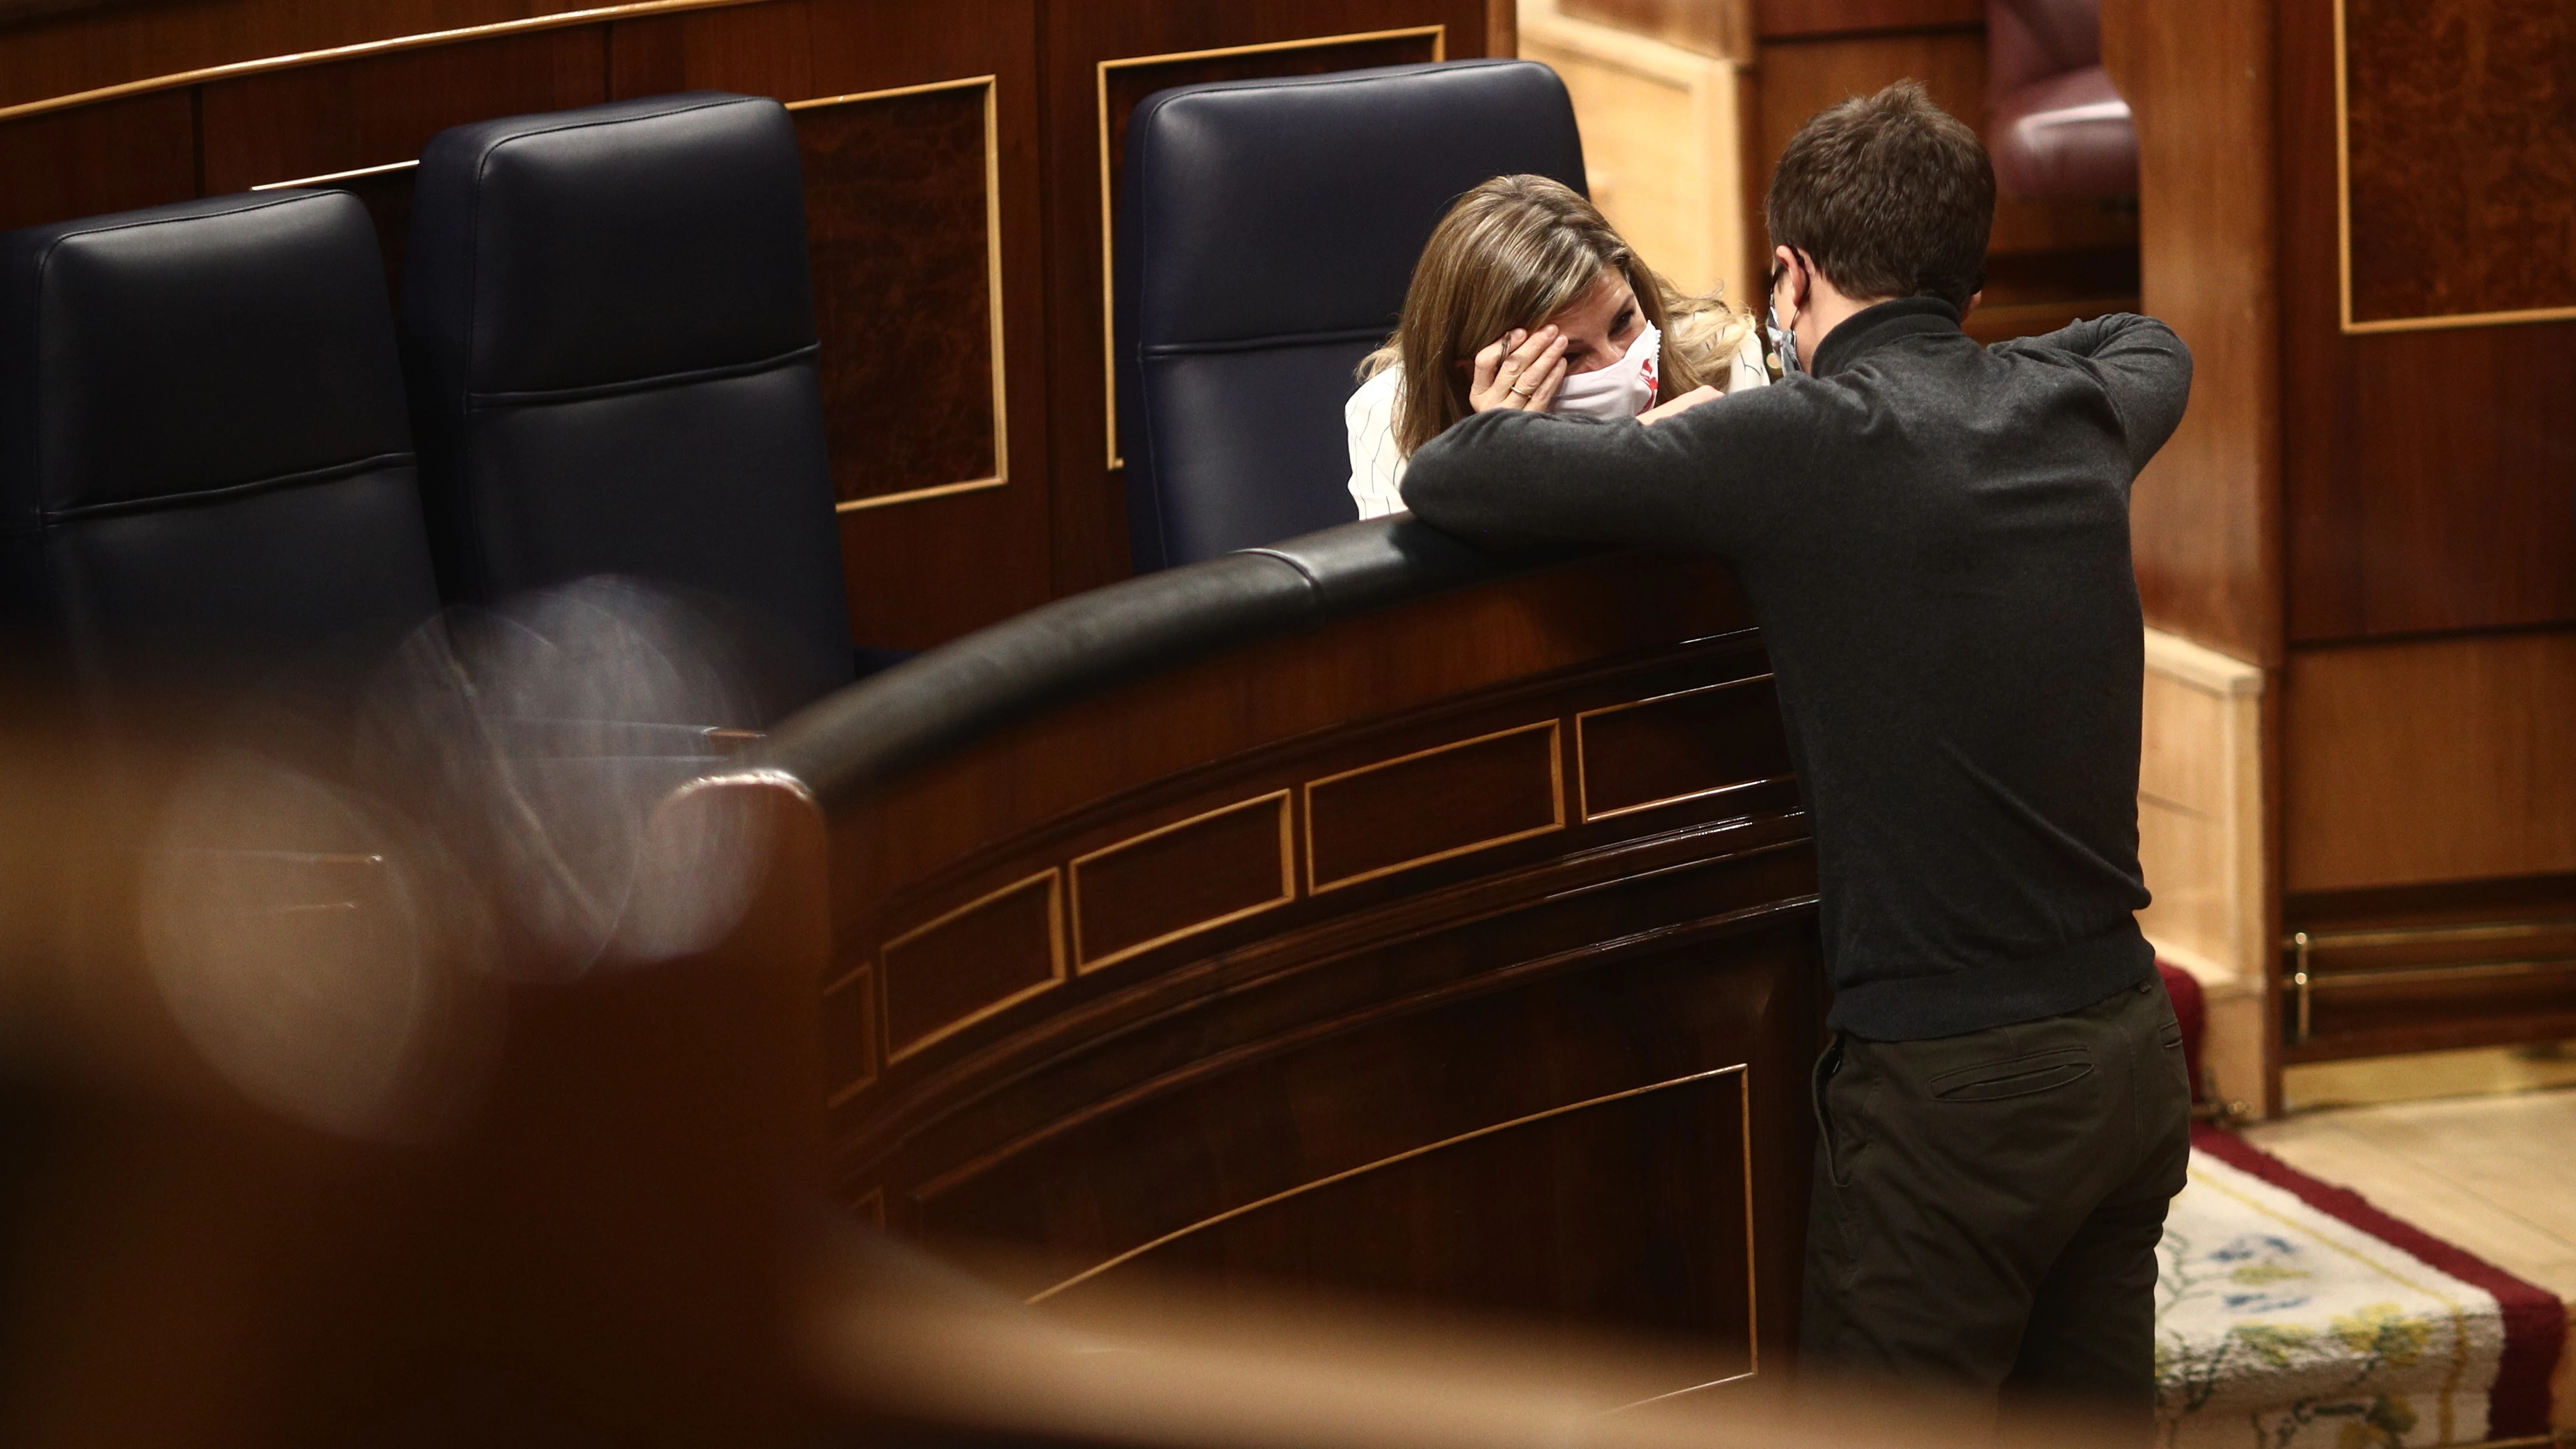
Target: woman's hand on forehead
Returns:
[[1518, 371]]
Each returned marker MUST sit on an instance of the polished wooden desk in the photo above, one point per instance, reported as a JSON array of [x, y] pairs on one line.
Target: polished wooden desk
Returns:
[[1361, 914]]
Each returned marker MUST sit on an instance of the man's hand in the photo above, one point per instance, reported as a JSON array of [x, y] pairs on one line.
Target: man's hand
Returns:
[[1679, 405], [1519, 371]]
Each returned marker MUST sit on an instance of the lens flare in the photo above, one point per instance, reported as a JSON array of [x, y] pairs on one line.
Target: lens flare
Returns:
[[317, 952], [541, 736]]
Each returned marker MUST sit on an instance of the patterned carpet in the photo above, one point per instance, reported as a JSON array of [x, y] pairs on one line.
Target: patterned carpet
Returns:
[[2292, 1314]]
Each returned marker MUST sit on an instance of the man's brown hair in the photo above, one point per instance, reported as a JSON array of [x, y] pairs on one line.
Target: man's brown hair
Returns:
[[1888, 196]]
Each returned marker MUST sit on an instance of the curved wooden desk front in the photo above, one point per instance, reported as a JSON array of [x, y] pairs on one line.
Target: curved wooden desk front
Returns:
[[1362, 913]]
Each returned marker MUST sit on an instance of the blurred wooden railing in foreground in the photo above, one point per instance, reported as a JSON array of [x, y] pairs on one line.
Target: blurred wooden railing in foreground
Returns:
[[1363, 918]]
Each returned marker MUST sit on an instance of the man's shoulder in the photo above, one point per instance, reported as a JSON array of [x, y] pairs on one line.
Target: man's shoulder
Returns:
[[2125, 335]]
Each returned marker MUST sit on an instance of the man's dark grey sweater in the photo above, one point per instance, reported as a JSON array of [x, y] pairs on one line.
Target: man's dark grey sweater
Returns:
[[1935, 537]]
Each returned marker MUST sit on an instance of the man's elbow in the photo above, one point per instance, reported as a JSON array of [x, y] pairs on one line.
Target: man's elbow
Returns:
[[1442, 506], [1440, 493], [1434, 485]]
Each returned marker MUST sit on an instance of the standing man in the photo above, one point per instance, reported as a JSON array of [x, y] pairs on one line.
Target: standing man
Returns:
[[1936, 538]]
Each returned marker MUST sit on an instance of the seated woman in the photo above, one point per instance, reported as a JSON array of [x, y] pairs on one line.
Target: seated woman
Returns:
[[1526, 298]]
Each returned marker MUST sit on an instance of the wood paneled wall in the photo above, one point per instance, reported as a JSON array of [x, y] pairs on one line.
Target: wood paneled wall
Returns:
[[2338, 219], [2373, 495], [2206, 513], [1662, 144], [958, 158], [2049, 260]]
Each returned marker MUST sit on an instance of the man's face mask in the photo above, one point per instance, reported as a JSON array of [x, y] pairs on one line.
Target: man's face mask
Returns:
[[1784, 340], [1622, 390]]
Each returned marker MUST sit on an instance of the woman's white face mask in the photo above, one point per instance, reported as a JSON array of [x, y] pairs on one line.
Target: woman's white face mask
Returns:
[[1623, 389]]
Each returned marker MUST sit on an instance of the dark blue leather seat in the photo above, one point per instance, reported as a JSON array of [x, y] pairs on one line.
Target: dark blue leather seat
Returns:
[[208, 481], [609, 330], [1267, 232]]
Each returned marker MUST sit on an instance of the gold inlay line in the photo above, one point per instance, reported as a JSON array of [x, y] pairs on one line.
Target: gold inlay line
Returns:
[[327, 177], [1407, 1155], [361, 50], [2343, 174], [1109, 218], [915, 495], [890, 92], [1753, 1348]]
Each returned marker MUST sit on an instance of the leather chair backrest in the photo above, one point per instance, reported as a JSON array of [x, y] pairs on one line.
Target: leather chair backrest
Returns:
[[609, 330], [206, 474], [1267, 232], [2031, 40]]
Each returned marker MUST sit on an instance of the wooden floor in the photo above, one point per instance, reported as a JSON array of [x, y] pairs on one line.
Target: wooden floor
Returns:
[[2495, 1174]]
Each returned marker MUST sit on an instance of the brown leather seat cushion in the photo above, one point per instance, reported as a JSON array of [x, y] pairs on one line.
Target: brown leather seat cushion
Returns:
[[2055, 124]]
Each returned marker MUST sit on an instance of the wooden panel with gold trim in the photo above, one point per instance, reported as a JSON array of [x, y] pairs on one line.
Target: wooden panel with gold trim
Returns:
[[1587, 1130], [1176, 880], [1211, 861], [2456, 154], [956, 552], [2423, 456], [1679, 747], [1433, 805], [850, 1038], [1694, 1131], [971, 962], [755, 49], [903, 203]]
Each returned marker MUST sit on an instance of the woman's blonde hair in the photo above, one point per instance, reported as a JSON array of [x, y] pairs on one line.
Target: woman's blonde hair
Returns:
[[1513, 253]]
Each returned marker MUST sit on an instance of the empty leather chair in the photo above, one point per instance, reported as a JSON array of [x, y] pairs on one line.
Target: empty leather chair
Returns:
[[2055, 124], [208, 482], [609, 333], [1267, 232]]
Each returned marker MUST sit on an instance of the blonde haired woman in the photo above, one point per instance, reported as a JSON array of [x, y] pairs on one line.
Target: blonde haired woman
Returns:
[[1526, 298]]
